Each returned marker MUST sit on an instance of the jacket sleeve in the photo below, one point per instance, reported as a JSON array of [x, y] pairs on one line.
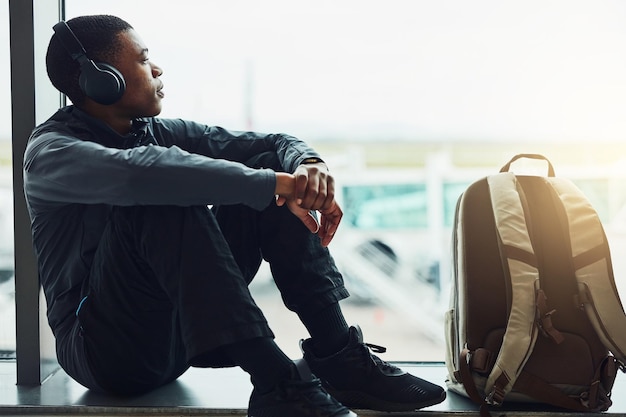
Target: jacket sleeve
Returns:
[[220, 143], [60, 168]]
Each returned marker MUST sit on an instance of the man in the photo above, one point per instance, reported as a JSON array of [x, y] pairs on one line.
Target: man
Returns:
[[142, 280]]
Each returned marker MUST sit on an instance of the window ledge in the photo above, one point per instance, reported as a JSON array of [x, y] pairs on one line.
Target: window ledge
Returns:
[[216, 393]]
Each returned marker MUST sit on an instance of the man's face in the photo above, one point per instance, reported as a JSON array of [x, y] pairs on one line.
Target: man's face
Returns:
[[143, 94]]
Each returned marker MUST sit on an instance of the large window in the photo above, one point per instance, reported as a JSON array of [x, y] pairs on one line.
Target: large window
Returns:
[[7, 288], [409, 102]]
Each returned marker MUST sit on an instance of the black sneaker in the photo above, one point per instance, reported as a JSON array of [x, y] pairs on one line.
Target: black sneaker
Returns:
[[301, 396], [361, 380]]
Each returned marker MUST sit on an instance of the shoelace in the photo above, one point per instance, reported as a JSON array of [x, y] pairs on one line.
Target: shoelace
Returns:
[[385, 366], [376, 348]]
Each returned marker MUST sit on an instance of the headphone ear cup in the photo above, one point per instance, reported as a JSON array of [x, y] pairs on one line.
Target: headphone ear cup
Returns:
[[101, 82]]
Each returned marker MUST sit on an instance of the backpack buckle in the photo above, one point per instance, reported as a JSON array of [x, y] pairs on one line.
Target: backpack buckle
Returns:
[[496, 396]]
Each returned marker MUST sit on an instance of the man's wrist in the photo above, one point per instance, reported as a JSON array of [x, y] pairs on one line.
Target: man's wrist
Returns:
[[285, 184]]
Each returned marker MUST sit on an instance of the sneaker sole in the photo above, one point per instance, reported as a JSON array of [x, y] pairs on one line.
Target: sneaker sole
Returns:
[[359, 400], [349, 414]]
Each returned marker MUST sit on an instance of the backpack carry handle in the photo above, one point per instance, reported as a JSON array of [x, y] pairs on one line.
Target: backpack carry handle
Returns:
[[530, 156]]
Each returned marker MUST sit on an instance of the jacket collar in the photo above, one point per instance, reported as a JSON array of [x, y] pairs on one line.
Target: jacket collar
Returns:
[[103, 134]]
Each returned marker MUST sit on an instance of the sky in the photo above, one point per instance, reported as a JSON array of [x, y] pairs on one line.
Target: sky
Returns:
[[403, 69]]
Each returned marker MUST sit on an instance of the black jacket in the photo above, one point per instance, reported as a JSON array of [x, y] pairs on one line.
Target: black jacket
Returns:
[[76, 168]]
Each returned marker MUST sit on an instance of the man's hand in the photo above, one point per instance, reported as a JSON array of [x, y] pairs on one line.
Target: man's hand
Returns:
[[310, 188], [315, 187], [329, 223]]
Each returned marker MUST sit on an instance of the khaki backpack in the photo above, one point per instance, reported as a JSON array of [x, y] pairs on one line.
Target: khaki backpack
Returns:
[[535, 315]]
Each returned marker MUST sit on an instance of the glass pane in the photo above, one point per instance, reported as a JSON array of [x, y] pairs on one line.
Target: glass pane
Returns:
[[408, 102], [7, 286], [385, 206]]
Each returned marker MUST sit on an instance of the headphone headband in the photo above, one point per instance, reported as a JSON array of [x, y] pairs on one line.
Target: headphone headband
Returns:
[[70, 42]]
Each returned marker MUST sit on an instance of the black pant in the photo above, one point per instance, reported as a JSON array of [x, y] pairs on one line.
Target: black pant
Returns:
[[169, 288]]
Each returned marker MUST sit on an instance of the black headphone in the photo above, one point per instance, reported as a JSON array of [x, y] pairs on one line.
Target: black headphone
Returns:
[[99, 81]]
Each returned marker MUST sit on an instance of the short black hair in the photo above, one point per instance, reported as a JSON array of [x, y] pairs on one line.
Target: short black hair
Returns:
[[99, 36]]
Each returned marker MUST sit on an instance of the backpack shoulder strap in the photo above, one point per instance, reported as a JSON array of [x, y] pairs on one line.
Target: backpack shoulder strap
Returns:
[[594, 272], [519, 257]]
